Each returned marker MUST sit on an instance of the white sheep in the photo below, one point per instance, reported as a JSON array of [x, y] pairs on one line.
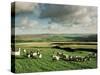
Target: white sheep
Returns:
[[80, 58], [55, 57], [28, 55], [66, 56], [34, 54], [24, 50], [16, 53], [40, 56], [95, 55]]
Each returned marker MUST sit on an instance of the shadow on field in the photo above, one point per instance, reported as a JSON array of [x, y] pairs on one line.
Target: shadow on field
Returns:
[[66, 48], [75, 49], [87, 49]]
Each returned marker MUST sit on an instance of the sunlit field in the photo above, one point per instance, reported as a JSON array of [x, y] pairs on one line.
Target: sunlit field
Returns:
[[25, 64]]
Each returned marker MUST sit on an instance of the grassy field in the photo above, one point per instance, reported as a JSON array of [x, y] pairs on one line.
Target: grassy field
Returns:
[[82, 45], [24, 64]]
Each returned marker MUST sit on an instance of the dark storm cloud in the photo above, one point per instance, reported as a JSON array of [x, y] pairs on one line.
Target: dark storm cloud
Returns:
[[49, 10], [69, 13]]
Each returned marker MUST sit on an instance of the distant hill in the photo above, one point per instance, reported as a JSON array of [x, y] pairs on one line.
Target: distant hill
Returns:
[[88, 38], [56, 38]]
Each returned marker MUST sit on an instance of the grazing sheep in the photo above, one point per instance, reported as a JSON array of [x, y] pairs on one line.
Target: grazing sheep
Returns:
[[24, 50], [59, 54], [71, 58], [74, 58], [79, 58], [84, 59], [16, 53], [64, 56], [87, 58], [92, 54], [55, 57], [29, 56], [39, 55], [34, 54]]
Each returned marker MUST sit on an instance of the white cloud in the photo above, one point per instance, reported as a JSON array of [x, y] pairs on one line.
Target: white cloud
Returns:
[[26, 23], [25, 7], [63, 18]]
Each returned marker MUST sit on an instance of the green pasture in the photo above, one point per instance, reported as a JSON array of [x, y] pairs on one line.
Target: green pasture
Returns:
[[24, 64]]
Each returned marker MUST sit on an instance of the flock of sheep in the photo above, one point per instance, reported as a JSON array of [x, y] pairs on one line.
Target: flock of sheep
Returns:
[[57, 55], [66, 57], [32, 54]]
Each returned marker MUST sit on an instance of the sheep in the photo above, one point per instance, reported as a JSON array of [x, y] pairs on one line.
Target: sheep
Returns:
[[92, 54], [39, 55], [59, 53], [64, 56], [29, 56], [79, 58], [36, 54], [74, 58], [87, 58], [24, 50], [55, 57], [70, 58], [16, 53]]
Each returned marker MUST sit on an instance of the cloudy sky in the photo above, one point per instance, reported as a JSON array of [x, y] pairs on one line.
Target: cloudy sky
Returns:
[[37, 18]]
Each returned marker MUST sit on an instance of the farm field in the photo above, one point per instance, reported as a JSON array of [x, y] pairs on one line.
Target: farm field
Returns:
[[24, 64], [92, 45]]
